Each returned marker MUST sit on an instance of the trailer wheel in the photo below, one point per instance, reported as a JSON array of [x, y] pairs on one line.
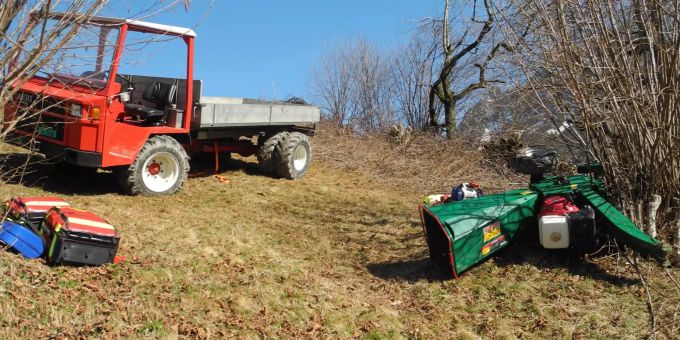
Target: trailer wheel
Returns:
[[266, 156], [161, 168], [293, 155]]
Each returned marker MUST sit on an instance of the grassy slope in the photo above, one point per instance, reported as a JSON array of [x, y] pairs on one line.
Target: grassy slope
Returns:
[[334, 254]]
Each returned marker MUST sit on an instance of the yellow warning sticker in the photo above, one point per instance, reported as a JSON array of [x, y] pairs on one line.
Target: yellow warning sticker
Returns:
[[492, 231], [486, 249]]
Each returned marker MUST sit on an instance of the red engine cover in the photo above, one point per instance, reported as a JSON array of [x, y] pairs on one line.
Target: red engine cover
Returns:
[[557, 205]]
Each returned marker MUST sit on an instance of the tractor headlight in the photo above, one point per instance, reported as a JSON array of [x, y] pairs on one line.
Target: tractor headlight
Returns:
[[76, 110]]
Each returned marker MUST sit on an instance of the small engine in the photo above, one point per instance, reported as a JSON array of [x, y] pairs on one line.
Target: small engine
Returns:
[[562, 224]]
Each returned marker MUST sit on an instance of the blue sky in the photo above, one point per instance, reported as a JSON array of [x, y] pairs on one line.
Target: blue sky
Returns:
[[267, 48]]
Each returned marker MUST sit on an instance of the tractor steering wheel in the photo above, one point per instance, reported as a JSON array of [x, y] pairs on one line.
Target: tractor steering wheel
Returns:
[[129, 84]]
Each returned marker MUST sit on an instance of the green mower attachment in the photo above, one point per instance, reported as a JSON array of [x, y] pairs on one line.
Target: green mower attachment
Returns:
[[463, 233]]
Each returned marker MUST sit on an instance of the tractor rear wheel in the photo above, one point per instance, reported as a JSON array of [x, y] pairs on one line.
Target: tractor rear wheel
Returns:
[[293, 155], [161, 168], [266, 156]]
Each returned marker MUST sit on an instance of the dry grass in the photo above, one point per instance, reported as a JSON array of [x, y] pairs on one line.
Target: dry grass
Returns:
[[426, 164], [338, 254]]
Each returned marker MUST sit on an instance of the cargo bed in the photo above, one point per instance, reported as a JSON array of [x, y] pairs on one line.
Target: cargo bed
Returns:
[[215, 112]]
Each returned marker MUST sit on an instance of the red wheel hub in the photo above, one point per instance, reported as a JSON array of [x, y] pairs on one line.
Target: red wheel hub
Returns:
[[154, 169]]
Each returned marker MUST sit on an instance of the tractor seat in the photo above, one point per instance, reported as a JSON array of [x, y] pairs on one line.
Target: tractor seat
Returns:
[[161, 95], [145, 112]]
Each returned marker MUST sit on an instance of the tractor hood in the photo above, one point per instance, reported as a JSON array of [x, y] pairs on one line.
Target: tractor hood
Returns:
[[39, 86]]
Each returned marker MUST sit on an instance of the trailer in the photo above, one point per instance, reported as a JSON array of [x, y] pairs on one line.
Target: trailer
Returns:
[[144, 128]]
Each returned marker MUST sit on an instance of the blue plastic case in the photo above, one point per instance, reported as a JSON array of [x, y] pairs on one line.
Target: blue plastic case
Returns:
[[22, 239]]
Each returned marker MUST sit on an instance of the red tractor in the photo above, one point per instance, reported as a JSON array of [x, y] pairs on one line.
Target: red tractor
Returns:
[[145, 127]]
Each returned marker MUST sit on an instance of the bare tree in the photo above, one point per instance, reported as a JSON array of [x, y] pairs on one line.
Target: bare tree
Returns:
[[353, 87], [412, 73], [332, 81], [473, 48]]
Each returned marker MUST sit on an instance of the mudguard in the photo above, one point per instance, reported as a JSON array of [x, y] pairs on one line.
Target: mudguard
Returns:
[[22, 239]]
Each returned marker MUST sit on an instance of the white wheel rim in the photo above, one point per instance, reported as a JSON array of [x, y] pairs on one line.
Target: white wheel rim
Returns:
[[300, 157], [161, 172]]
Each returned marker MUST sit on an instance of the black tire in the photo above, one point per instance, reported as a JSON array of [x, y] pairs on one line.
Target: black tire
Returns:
[[293, 155], [266, 156], [164, 148]]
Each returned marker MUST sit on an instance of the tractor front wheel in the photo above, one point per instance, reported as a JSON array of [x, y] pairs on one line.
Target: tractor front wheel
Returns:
[[161, 168]]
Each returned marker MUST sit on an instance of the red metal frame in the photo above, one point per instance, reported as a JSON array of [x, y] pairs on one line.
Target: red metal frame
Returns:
[[116, 139], [190, 82]]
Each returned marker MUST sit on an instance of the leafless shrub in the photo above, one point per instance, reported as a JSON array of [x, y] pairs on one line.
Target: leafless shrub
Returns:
[[399, 134], [502, 148]]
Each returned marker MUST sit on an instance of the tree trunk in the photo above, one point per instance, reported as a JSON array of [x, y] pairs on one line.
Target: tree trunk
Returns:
[[431, 104], [450, 119], [652, 207], [639, 219], [676, 205]]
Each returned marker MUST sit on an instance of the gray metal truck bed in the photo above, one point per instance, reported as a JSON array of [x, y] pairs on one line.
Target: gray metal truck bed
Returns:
[[215, 112]]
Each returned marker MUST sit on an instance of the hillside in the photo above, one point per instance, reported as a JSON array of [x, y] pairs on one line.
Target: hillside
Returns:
[[339, 253]]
